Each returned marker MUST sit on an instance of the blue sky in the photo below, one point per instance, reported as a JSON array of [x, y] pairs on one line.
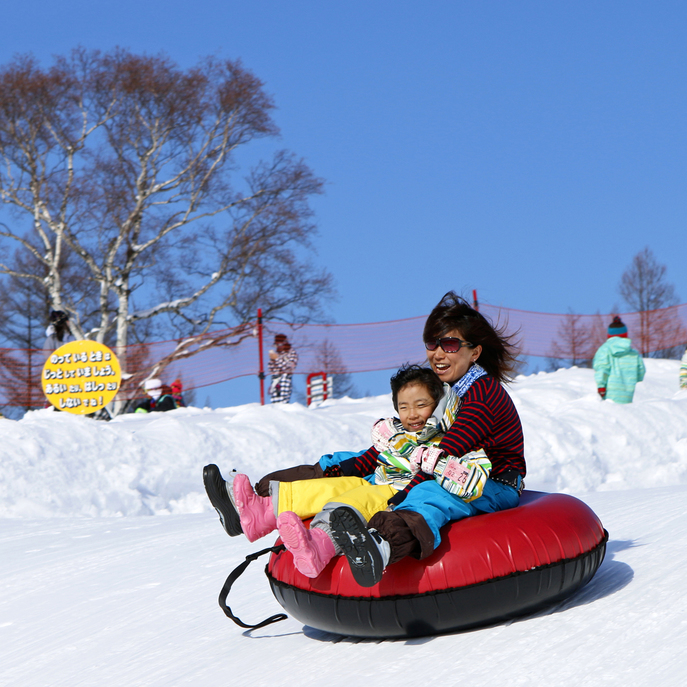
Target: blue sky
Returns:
[[528, 150]]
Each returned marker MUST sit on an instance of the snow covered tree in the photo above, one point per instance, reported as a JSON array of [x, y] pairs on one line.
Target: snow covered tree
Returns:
[[130, 163]]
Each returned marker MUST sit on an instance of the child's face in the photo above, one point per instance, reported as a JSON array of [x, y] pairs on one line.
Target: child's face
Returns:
[[415, 406]]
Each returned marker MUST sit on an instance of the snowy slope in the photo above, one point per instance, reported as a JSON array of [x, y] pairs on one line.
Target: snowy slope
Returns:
[[96, 594]]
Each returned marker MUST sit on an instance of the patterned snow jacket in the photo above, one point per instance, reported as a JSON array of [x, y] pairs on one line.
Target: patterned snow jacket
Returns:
[[395, 445], [487, 419], [285, 363]]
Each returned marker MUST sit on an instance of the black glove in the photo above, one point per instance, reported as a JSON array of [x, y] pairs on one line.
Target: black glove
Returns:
[[334, 471]]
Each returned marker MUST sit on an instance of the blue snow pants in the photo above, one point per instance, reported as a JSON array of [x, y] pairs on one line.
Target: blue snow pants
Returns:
[[439, 507]]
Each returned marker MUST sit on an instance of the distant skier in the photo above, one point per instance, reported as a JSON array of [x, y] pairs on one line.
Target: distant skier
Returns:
[[58, 332], [177, 388], [160, 398], [282, 363], [617, 366]]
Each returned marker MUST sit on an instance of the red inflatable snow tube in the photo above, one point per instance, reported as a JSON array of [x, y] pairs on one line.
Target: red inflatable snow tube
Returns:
[[488, 568]]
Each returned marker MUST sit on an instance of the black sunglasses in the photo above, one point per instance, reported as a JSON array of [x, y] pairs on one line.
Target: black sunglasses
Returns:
[[449, 344]]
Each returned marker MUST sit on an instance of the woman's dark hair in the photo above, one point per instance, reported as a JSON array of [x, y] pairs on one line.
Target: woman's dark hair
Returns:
[[499, 353], [416, 374]]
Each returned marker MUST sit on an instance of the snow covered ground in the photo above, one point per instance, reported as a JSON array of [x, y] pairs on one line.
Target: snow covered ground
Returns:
[[96, 593]]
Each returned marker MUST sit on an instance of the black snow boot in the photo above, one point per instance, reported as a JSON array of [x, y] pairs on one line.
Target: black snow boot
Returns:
[[219, 493], [366, 551]]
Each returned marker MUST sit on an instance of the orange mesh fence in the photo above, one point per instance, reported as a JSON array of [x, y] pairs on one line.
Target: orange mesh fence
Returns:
[[573, 336], [338, 348]]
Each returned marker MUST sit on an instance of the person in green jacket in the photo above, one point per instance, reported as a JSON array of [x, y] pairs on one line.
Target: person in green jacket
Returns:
[[617, 366]]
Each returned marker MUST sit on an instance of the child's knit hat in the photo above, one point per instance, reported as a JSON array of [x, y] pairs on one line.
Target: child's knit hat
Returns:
[[617, 328]]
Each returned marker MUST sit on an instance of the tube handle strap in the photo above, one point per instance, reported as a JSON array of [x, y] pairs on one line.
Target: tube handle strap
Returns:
[[233, 576]]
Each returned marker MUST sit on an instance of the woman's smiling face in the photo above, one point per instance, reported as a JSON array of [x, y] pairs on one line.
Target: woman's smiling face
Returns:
[[450, 367]]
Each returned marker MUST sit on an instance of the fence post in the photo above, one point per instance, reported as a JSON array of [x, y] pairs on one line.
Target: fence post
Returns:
[[261, 373]]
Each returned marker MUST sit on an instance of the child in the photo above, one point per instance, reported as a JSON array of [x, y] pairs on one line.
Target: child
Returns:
[[618, 367], [368, 483], [159, 399], [177, 388]]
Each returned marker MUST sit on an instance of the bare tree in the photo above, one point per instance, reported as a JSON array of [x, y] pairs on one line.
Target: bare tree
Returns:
[[644, 287], [328, 360], [576, 341], [43, 130], [22, 328], [131, 163], [24, 310]]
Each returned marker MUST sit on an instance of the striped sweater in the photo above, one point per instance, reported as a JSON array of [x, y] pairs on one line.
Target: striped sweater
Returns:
[[284, 363], [486, 419]]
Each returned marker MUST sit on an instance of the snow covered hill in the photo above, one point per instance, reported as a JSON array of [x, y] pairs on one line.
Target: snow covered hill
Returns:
[[94, 593]]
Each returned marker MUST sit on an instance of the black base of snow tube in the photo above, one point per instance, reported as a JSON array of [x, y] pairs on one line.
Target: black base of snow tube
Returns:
[[445, 610], [488, 569]]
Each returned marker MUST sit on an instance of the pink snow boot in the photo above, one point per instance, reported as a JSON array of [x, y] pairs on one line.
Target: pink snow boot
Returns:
[[311, 549], [255, 512]]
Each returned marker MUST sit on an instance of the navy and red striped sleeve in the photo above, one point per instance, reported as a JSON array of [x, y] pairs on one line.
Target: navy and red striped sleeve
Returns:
[[487, 419], [362, 465]]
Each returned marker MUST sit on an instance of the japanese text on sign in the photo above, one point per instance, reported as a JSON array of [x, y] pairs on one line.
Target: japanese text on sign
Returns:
[[81, 377]]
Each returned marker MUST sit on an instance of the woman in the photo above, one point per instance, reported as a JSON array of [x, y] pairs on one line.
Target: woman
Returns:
[[456, 337], [467, 352]]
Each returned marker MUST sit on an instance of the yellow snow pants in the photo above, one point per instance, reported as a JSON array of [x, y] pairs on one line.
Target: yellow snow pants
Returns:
[[308, 497]]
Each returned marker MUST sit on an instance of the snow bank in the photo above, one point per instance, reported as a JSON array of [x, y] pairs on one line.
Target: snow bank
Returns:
[[57, 464]]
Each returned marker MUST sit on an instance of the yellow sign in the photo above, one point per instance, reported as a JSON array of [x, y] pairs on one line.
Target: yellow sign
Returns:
[[81, 377]]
